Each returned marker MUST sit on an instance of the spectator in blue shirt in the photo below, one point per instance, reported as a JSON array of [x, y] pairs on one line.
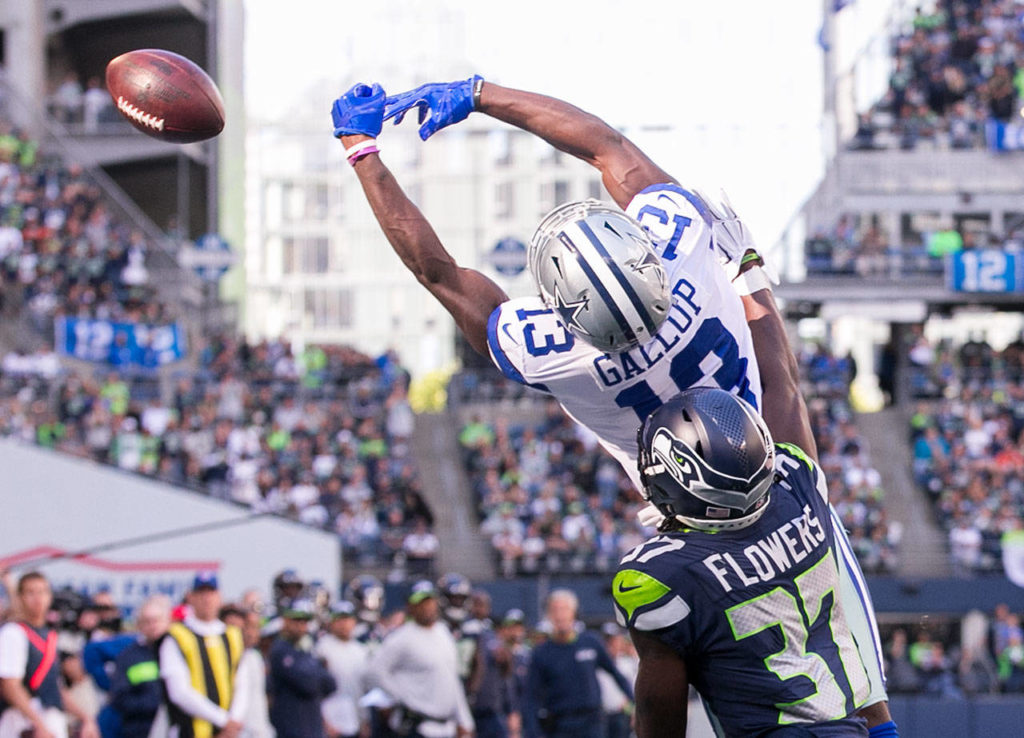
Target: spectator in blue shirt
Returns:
[[563, 697], [136, 691], [298, 681]]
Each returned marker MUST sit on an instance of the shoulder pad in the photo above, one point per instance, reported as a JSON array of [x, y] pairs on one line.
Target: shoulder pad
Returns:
[[789, 454], [677, 219], [645, 598], [522, 335], [797, 453]]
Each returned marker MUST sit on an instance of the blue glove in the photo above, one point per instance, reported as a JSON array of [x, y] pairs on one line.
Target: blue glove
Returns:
[[360, 110], [446, 102]]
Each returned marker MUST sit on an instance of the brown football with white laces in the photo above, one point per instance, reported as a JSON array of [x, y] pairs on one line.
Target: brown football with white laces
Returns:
[[165, 95]]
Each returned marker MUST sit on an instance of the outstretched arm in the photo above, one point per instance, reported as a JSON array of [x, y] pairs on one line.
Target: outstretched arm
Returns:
[[783, 407], [625, 169], [468, 295]]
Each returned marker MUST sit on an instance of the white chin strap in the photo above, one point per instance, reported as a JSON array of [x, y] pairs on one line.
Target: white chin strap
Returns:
[[650, 516], [733, 524]]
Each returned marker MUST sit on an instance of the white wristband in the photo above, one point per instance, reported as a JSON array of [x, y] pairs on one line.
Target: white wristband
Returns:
[[751, 281], [358, 148]]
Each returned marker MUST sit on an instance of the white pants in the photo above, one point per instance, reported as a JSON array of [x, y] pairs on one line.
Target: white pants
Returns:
[[13, 723], [860, 613]]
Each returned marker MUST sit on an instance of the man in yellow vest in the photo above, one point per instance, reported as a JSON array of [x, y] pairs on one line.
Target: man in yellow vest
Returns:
[[199, 666]]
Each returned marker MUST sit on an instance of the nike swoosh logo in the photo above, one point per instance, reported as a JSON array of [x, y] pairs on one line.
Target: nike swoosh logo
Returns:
[[629, 589], [504, 327]]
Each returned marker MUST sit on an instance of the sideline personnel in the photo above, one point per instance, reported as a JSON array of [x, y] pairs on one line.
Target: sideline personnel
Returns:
[[563, 698], [417, 666], [30, 694], [298, 681], [198, 663], [135, 691]]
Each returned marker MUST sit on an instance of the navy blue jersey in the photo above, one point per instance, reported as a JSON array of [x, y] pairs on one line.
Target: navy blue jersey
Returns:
[[754, 612]]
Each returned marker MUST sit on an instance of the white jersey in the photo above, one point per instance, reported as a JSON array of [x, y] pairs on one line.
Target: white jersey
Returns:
[[704, 342]]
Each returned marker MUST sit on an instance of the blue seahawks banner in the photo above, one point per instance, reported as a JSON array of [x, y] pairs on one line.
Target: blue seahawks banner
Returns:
[[985, 270], [129, 345], [1004, 136]]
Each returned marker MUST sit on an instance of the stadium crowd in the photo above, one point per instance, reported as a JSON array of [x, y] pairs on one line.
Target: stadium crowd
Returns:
[[957, 68], [979, 654], [957, 80], [551, 500], [860, 246], [548, 497], [855, 486], [305, 665], [321, 436], [967, 437], [62, 253]]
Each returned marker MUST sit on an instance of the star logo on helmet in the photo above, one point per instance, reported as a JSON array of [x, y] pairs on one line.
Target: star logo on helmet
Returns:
[[569, 311], [644, 265]]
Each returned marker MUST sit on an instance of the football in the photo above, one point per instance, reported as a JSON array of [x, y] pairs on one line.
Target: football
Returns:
[[165, 95]]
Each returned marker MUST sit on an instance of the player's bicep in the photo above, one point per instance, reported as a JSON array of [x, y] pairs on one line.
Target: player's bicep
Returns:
[[627, 171], [661, 690], [470, 297], [783, 406]]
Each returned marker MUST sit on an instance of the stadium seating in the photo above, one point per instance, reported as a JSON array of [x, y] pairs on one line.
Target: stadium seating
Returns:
[[320, 437], [967, 434], [956, 72], [61, 251], [855, 487], [957, 84], [550, 499]]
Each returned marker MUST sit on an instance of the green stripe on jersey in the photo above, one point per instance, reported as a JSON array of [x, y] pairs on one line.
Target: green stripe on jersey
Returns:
[[633, 589], [797, 452]]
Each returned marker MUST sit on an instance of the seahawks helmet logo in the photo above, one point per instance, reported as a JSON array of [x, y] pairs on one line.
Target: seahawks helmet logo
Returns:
[[675, 459], [694, 475]]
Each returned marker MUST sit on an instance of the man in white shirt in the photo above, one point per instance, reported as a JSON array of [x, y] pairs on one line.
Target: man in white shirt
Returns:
[[206, 692], [420, 546], [417, 665], [347, 660], [965, 547], [31, 698], [616, 703]]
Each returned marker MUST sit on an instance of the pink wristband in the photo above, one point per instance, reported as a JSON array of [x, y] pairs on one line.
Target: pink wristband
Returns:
[[361, 149]]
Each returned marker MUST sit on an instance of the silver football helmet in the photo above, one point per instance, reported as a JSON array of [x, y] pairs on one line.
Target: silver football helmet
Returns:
[[596, 268]]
